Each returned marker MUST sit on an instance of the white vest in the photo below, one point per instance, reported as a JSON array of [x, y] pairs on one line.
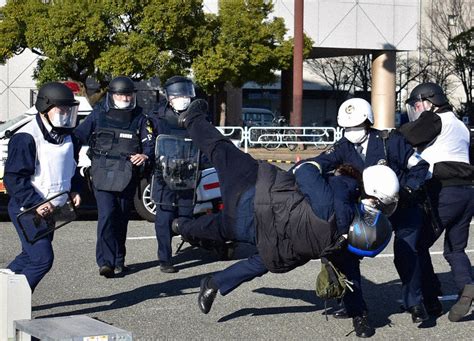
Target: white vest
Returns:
[[452, 144], [55, 165]]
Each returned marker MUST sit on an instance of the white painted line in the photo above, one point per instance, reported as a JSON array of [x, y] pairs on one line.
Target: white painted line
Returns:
[[441, 298], [388, 255], [140, 238]]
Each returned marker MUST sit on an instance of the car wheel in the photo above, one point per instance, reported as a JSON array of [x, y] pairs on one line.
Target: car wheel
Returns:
[[144, 206]]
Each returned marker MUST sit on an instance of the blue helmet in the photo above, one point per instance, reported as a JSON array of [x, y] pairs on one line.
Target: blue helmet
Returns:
[[369, 233]]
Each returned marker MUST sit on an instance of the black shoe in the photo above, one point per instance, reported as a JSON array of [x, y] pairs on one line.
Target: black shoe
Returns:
[[418, 313], [175, 226], [120, 269], [196, 108], [433, 307], [106, 271], [362, 327], [463, 305], [168, 268], [341, 314], [206, 295]]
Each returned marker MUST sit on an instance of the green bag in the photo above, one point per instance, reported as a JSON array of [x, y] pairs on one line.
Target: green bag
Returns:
[[331, 283]]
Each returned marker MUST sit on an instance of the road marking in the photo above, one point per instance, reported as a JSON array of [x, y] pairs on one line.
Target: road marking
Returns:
[[139, 238], [387, 255]]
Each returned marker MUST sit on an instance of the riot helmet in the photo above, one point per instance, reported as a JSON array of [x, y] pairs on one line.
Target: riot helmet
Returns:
[[179, 92], [121, 94], [381, 188], [424, 97], [369, 233], [57, 103], [354, 116]]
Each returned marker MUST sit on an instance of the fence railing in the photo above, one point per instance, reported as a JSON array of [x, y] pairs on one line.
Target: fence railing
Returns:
[[282, 137]]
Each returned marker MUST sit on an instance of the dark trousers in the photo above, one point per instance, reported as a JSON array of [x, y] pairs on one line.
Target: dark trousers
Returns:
[[237, 173], [164, 217], [407, 223], [113, 210], [455, 205], [349, 264], [237, 170], [35, 260]]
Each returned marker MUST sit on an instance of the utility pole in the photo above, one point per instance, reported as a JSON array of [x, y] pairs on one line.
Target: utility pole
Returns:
[[296, 115]]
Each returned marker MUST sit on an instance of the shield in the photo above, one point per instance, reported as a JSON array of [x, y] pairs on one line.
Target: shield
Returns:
[[176, 165], [35, 227]]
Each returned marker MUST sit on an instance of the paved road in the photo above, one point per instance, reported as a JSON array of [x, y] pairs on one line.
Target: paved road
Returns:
[[155, 306]]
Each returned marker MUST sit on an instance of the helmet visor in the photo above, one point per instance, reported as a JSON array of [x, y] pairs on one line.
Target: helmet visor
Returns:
[[121, 101], [63, 116], [180, 89], [415, 106]]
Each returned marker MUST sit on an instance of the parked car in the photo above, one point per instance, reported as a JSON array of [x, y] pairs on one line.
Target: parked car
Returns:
[[257, 117]]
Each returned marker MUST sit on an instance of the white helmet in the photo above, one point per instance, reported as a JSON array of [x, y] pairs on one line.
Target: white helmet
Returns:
[[382, 183], [353, 112]]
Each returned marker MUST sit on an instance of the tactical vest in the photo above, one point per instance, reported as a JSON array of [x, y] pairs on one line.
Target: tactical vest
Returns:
[[110, 151]]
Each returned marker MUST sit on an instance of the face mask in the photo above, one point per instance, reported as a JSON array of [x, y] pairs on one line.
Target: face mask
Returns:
[[122, 104], [180, 103], [60, 120], [355, 135]]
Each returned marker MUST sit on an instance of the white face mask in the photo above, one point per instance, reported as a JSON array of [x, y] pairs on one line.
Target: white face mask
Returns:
[[355, 135], [60, 120], [180, 103], [122, 104]]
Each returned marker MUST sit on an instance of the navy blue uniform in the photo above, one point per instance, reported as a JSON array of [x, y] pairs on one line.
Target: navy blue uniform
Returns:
[[36, 259], [443, 140], [247, 216], [406, 221], [165, 122], [114, 207]]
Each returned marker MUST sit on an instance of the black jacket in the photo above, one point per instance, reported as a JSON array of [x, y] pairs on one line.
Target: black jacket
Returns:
[[289, 234]]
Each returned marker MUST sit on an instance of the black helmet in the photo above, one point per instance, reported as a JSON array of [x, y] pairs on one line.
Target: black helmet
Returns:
[[430, 92], [121, 85], [369, 233], [54, 94], [125, 97], [179, 86]]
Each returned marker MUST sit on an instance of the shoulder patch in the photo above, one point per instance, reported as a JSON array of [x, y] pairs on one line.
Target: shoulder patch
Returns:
[[329, 150]]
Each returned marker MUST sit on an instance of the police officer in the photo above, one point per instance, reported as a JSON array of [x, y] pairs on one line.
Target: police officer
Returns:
[[41, 163], [291, 218], [179, 92], [443, 141], [119, 143], [362, 146]]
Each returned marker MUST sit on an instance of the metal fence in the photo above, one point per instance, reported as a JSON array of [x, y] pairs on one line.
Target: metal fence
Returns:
[[273, 138]]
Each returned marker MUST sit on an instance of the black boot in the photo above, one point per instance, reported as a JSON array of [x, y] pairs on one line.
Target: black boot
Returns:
[[167, 268], [106, 271], [177, 223], [196, 108], [463, 305], [362, 327], [207, 294], [418, 313], [433, 307]]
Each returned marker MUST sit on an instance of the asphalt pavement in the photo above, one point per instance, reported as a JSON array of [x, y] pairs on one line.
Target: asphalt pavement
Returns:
[[156, 306]]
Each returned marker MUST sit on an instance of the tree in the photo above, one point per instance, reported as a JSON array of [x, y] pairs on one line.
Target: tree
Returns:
[[247, 46], [102, 39], [449, 39]]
